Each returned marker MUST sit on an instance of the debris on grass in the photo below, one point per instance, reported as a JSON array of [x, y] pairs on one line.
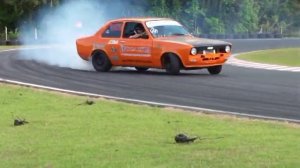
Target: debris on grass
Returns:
[[19, 122], [87, 102], [182, 138]]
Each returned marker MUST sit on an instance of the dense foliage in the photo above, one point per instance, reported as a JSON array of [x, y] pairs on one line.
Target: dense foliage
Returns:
[[200, 16], [231, 16]]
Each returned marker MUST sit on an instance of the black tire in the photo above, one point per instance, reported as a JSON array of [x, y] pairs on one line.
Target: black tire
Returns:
[[101, 62], [172, 64], [215, 70], [141, 69]]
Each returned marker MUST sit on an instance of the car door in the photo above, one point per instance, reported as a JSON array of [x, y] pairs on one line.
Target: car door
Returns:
[[135, 52], [111, 37]]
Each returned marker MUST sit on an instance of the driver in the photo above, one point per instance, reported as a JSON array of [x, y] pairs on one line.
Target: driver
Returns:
[[139, 32]]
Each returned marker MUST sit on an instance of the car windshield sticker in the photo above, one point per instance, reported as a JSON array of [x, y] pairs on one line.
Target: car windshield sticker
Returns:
[[163, 28], [153, 31], [152, 24]]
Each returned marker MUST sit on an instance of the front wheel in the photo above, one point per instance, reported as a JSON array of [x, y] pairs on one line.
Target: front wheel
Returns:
[[172, 64], [101, 62], [215, 70]]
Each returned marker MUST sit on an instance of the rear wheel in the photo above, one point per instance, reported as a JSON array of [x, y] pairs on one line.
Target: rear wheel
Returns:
[[172, 64], [215, 70], [101, 62], [141, 69]]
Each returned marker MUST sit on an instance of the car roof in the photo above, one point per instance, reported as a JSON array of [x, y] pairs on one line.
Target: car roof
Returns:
[[140, 19]]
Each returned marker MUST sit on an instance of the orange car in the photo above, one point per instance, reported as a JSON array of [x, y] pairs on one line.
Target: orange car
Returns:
[[146, 43]]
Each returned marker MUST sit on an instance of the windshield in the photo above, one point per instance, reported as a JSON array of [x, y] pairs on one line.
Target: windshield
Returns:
[[165, 28]]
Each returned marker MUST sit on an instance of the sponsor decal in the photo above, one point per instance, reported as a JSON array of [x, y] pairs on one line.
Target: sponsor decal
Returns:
[[113, 42], [113, 49], [98, 45], [136, 51], [115, 58], [146, 50], [136, 55]]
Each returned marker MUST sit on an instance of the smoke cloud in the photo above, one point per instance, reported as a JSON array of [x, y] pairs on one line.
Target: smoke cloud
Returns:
[[59, 27]]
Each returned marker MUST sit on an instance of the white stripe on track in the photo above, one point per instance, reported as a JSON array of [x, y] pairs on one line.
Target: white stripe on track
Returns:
[[247, 64]]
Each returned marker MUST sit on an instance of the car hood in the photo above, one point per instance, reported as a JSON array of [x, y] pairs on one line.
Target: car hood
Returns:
[[195, 41]]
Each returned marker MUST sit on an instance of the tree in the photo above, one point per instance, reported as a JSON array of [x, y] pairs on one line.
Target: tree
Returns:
[[277, 14], [176, 9], [12, 12], [207, 16], [247, 17], [159, 8], [194, 13], [215, 25]]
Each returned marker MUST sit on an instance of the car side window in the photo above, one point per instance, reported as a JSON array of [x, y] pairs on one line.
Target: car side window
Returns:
[[134, 30], [113, 30]]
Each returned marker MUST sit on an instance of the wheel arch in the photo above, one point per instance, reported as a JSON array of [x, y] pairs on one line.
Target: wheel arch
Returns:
[[97, 51], [164, 58], [100, 60]]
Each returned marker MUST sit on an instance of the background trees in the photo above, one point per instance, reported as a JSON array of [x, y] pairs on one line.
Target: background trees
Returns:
[[231, 16], [199, 16]]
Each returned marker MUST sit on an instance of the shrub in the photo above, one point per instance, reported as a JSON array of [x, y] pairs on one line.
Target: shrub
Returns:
[[13, 35]]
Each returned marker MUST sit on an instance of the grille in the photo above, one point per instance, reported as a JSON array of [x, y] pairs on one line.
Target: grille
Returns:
[[218, 49]]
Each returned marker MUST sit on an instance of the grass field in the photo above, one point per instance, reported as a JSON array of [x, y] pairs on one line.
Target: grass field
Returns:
[[63, 131], [288, 56]]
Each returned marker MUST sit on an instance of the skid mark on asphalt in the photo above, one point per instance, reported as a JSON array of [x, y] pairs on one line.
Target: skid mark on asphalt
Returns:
[[241, 63]]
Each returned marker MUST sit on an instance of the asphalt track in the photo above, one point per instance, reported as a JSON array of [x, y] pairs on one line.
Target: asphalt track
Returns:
[[237, 89]]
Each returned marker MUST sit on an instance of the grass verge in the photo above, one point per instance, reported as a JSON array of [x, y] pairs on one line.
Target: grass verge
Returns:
[[288, 56], [3, 47], [63, 131]]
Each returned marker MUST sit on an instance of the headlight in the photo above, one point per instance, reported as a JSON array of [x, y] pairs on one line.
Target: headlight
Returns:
[[194, 51], [227, 49]]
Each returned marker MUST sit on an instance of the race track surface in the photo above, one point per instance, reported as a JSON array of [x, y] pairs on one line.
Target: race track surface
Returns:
[[237, 89]]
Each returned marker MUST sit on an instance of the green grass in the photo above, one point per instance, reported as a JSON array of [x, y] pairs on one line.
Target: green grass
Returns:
[[288, 56], [3, 47], [65, 132]]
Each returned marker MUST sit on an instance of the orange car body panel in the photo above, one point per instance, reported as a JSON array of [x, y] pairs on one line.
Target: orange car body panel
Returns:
[[148, 52]]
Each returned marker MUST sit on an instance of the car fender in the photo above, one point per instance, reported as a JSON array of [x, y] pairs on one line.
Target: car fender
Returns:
[[181, 50]]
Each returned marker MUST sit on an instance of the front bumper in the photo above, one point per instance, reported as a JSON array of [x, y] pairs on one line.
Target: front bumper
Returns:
[[206, 60]]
